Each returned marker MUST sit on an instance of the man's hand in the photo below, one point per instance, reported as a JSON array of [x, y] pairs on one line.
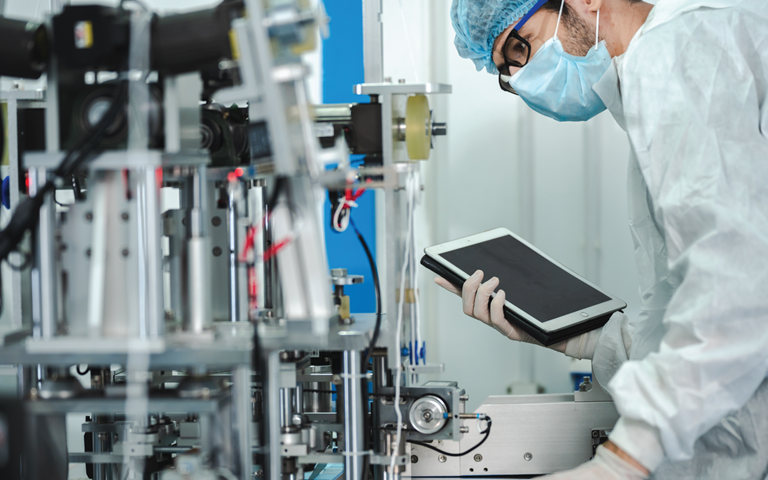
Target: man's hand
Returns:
[[477, 303], [610, 463]]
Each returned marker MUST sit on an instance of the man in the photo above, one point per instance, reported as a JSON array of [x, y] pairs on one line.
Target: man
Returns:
[[688, 81]]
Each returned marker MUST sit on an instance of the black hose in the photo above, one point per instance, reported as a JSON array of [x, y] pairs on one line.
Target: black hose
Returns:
[[377, 288], [2, 138], [487, 433]]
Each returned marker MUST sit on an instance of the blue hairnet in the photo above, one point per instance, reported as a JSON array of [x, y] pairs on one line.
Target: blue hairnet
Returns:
[[477, 23]]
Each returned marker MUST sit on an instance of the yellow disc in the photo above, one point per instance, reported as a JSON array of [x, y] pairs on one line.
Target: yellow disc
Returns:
[[418, 127]]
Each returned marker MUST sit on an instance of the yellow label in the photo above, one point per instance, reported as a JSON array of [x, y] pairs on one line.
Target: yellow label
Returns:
[[233, 44], [84, 34]]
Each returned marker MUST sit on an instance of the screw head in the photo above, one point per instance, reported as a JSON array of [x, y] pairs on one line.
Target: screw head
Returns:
[[124, 216], [88, 216], [414, 459], [442, 459], [216, 221], [527, 457], [216, 251], [88, 253], [125, 252], [478, 457]]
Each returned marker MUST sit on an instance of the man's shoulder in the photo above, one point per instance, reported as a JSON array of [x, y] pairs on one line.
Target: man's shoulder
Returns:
[[698, 32]]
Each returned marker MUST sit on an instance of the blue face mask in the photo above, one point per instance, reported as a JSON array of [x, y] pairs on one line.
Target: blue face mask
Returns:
[[559, 85]]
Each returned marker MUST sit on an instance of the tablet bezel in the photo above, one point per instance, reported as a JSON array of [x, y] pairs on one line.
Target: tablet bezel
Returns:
[[552, 325]]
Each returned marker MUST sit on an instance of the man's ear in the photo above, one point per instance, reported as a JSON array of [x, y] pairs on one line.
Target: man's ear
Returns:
[[593, 5]]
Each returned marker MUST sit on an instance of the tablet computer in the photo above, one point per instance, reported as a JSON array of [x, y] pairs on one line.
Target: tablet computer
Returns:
[[544, 298]]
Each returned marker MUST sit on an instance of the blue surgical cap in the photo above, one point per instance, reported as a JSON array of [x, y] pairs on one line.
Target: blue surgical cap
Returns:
[[477, 23]]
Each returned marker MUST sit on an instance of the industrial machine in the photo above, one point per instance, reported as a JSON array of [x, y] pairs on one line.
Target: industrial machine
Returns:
[[166, 245]]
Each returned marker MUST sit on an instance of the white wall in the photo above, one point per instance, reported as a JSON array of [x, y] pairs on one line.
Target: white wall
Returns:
[[503, 165]]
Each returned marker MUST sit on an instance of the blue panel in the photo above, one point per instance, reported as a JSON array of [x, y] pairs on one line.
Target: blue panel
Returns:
[[342, 69], [344, 251], [343, 52]]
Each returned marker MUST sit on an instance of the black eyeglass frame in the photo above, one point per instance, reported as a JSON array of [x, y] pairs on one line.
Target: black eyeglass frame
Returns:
[[514, 34]]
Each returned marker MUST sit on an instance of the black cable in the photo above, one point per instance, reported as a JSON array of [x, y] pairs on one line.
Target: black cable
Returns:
[[87, 369], [2, 139], [76, 188], [487, 433], [27, 213], [377, 288]]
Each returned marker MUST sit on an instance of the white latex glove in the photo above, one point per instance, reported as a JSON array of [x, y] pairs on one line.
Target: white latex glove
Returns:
[[476, 299], [605, 466]]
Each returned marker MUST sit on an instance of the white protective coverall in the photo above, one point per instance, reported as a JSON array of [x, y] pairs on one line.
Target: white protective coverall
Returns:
[[688, 374]]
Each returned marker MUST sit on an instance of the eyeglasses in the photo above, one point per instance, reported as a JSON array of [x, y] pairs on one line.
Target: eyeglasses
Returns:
[[517, 53], [517, 50]]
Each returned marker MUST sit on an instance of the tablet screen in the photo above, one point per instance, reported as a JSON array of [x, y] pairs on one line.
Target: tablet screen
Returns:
[[531, 282]]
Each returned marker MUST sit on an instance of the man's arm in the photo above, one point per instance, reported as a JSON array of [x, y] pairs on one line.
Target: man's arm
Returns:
[[694, 115]]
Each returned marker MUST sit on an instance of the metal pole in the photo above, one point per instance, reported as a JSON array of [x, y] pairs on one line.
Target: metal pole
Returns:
[[373, 46], [271, 415], [198, 251], [241, 391], [15, 174], [353, 416], [234, 311]]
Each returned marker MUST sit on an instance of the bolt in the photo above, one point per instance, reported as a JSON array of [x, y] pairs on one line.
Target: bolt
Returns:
[[33, 394], [206, 392], [216, 251], [427, 416], [125, 252], [401, 81], [595, 433], [88, 216], [527, 457], [463, 398], [387, 79], [442, 459], [478, 457], [464, 429], [414, 459], [216, 221], [124, 216]]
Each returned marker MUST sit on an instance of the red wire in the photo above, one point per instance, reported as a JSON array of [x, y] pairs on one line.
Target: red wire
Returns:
[[275, 249]]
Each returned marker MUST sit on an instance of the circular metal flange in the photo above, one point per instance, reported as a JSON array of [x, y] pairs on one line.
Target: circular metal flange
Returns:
[[427, 414]]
